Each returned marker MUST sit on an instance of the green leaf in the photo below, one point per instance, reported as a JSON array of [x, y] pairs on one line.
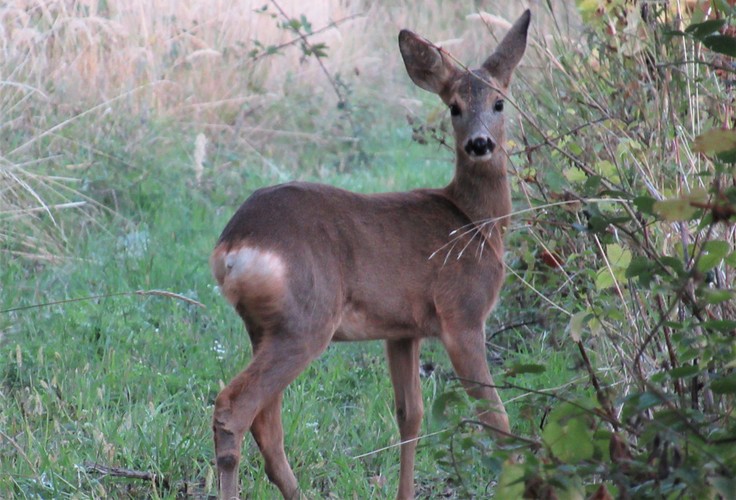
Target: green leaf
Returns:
[[556, 181], [645, 204], [440, 406], [618, 257], [639, 402], [724, 485], [571, 442], [699, 30], [716, 295], [684, 371], [604, 279], [722, 325], [717, 247], [712, 254], [724, 7], [511, 481], [577, 322], [719, 143], [715, 141], [674, 210], [722, 44], [592, 183], [607, 170], [674, 263], [727, 156], [731, 259], [574, 174], [575, 149], [642, 268], [707, 262], [724, 385]]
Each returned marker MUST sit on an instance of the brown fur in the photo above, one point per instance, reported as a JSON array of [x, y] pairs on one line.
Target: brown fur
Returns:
[[306, 264]]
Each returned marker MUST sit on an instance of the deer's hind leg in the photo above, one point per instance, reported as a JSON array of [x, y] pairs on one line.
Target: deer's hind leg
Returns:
[[251, 401], [268, 432]]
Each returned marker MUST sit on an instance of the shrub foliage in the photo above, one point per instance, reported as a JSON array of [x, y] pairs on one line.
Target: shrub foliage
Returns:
[[626, 160]]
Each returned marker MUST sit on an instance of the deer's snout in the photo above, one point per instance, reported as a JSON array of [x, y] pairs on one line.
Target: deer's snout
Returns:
[[479, 146]]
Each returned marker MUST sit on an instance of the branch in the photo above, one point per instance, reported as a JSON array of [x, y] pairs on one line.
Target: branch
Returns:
[[105, 470], [301, 38]]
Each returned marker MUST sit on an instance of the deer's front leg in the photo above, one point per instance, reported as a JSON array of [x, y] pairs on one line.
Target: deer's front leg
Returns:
[[467, 351]]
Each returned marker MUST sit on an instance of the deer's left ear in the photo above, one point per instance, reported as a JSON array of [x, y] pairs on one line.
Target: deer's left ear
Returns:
[[503, 61]]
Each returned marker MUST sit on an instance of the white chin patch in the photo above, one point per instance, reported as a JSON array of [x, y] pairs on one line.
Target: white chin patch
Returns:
[[484, 157]]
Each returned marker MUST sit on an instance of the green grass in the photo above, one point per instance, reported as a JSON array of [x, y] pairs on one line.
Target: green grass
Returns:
[[129, 381]]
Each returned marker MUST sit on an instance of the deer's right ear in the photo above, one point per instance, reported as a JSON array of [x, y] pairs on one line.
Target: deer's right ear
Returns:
[[425, 63]]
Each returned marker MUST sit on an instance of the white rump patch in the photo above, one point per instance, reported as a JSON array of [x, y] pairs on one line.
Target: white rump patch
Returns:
[[253, 264], [249, 275]]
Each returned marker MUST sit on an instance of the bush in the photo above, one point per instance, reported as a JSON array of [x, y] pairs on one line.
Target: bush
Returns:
[[626, 163]]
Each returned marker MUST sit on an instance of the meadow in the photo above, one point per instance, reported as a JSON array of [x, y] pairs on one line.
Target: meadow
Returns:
[[130, 131]]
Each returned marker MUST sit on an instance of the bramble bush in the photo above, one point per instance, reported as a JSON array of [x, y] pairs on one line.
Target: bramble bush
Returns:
[[624, 240]]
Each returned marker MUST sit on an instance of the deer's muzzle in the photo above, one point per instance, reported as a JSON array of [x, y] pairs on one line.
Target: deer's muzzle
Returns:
[[480, 146]]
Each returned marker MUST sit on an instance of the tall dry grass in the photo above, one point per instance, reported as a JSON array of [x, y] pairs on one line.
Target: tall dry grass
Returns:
[[194, 55], [71, 63]]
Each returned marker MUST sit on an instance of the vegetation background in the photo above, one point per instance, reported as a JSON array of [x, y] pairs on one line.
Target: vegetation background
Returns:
[[130, 131]]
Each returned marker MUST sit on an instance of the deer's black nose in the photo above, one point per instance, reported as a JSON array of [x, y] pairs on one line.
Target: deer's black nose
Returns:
[[480, 146]]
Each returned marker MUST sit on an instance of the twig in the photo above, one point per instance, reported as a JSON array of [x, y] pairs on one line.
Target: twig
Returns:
[[379, 450], [127, 473], [300, 38], [162, 293], [341, 98], [603, 398], [530, 442], [512, 326], [550, 393], [533, 147]]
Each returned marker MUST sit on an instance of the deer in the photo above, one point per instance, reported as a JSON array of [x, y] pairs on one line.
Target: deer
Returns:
[[308, 264]]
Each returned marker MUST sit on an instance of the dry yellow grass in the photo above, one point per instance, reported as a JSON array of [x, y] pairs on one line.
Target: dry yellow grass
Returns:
[[192, 61], [193, 56]]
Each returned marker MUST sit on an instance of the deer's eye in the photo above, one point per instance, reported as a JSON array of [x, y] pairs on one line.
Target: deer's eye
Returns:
[[498, 105], [454, 109]]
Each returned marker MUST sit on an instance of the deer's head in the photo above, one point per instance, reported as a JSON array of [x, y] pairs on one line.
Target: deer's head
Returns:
[[475, 97]]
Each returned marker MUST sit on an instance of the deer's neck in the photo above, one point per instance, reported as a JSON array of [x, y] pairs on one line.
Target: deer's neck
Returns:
[[481, 191]]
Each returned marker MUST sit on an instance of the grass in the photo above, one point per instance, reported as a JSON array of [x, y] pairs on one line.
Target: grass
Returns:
[[107, 190], [130, 380]]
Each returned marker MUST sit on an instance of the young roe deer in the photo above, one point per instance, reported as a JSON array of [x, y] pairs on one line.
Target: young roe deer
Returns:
[[307, 264]]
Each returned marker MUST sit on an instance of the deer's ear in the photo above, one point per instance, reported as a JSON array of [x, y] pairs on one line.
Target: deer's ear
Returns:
[[425, 63], [503, 61]]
